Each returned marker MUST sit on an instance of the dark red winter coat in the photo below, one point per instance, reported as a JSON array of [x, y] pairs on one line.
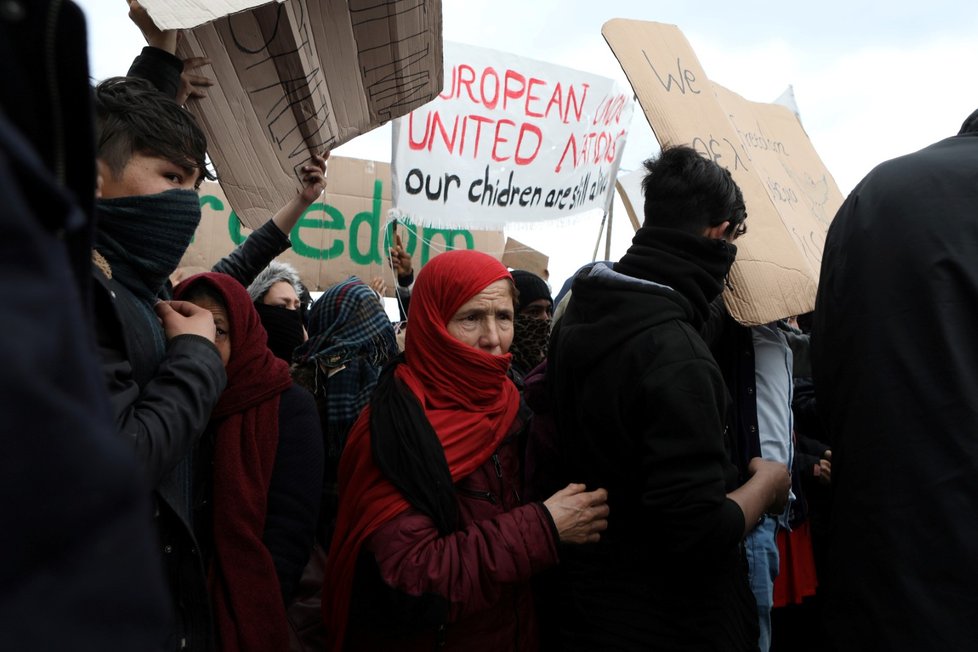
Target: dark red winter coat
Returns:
[[470, 590]]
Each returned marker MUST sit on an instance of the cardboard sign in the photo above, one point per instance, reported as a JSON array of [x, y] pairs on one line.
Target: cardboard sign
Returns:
[[507, 140], [790, 195], [344, 233], [520, 256], [302, 77], [184, 14]]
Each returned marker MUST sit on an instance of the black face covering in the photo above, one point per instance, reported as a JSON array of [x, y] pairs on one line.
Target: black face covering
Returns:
[[284, 329], [144, 237], [695, 266]]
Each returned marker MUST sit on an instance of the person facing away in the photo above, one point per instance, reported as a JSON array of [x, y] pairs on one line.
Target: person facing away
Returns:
[[640, 408], [894, 354], [433, 544], [258, 475]]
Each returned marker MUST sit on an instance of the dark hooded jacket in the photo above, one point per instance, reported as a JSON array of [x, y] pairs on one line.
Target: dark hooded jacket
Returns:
[[640, 407], [894, 354]]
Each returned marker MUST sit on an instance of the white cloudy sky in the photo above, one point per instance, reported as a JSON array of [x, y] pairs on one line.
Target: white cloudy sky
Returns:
[[873, 79]]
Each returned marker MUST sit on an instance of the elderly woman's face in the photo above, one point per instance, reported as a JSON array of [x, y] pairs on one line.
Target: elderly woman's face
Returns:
[[486, 320]]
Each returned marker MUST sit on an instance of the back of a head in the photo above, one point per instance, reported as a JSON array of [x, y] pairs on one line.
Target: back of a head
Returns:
[[132, 116], [688, 192]]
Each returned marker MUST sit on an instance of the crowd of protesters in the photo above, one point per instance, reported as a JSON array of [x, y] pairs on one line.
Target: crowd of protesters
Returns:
[[215, 461]]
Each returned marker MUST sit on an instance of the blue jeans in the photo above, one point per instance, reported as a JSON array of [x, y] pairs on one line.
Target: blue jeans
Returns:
[[762, 558]]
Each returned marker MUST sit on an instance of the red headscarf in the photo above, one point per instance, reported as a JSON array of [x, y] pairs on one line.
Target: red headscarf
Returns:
[[466, 395], [244, 585]]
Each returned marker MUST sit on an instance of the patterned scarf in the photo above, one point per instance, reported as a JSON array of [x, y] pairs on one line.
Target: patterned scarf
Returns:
[[244, 587], [531, 337], [143, 239], [348, 330]]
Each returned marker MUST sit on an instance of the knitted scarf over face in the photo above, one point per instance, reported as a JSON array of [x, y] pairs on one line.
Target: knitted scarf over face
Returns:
[[347, 328], [244, 586], [695, 266], [143, 239], [466, 400]]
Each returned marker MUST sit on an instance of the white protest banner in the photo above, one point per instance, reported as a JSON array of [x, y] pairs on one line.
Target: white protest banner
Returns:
[[304, 76], [509, 139], [184, 14], [790, 195]]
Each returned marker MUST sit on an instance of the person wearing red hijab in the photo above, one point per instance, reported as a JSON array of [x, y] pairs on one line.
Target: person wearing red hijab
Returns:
[[258, 476], [433, 546]]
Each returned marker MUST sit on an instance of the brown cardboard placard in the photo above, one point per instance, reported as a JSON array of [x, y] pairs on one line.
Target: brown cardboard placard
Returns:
[[790, 195], [302, 77], [517, 255], [184, 14], [344, 233]]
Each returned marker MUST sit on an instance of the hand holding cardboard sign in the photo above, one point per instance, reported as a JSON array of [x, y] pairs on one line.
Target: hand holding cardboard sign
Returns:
[[314, 178], [193, 85], [163, 39], [313, 182]]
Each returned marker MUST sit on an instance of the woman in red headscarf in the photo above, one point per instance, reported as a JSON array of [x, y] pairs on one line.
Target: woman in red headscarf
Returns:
[[258, 476], [433, 546]]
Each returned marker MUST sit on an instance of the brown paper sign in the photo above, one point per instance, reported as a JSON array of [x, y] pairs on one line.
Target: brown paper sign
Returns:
[[791, 197], [302, 77]]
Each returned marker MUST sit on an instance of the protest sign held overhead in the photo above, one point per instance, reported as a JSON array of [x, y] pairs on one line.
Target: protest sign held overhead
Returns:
[[344, 233], [790, 195], [184, 14], [301, 77], [509, 139]]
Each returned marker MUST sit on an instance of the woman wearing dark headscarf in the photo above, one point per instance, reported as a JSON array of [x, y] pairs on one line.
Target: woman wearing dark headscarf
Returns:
[[432, 544], [350, 339], [258, 474]]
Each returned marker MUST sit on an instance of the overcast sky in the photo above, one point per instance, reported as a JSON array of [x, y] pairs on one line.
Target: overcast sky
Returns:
[[872, 80]]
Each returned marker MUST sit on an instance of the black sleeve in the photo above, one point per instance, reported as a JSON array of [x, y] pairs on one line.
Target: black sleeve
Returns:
[[254, 254], [296, 488], [164, 418], [160, 68], [78, 539]]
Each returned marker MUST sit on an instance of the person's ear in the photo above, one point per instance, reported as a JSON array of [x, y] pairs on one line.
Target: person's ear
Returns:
[[101, 170], [718, 232]]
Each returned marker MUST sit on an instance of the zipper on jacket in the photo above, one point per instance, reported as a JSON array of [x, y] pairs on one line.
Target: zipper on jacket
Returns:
[[482, 495], [498, 465]]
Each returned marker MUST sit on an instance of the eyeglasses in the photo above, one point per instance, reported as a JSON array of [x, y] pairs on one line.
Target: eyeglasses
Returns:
[[738, 231]]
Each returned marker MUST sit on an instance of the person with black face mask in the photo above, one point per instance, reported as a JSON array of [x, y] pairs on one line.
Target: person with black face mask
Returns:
[[531, 330], [275, 293], [640, 409], [159, 362]]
